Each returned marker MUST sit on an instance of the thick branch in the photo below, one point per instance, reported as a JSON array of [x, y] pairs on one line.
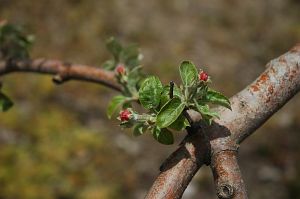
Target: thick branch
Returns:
[[266, 95], [227, 176], [250, 109], [62, 71], [179, 169]]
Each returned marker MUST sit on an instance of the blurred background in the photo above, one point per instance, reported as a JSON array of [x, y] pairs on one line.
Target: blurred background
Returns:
[[56, 142]]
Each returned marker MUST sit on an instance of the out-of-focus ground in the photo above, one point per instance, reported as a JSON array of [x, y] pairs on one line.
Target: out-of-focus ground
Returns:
[[57, 141]]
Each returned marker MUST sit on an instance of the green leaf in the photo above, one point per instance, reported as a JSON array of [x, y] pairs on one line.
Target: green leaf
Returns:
[[5, 102], [163, 136], [139, 129], [115, 105], [109, 65], [114, 47], [150, 92], [134, 76], [204, 110], [130, 56], [201, 92], [206, 113], [216, 97], [188, 73], [180, 124], [13, 42], [169, 112], [165, 96]]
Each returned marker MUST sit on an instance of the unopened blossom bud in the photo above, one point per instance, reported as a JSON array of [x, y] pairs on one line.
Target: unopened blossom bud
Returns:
[[120, 69], [125, 115], [203, 76]]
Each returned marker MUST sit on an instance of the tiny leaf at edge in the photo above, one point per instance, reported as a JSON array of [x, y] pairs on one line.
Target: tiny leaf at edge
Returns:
[[5, 102], [115, 105], [163, 136], [216, 97]]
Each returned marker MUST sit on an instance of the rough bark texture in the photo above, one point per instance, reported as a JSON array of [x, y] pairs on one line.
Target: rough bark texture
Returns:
[[227, 176], [267, 94], [179, 169], [217, 144]]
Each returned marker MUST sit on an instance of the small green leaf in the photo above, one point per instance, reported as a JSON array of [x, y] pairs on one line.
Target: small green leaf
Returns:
[[5, 102], [130, 56], [134, 77], [188, 73], [109, 65], [206, 113], [201, 92], [150, 92], [115, 105], [139, 129], [114, 47], [163, 136], [204, 110], [169, 112], [216, 97], [180, 124]]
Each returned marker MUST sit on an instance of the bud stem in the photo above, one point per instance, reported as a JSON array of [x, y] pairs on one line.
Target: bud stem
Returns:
[[143, 118]]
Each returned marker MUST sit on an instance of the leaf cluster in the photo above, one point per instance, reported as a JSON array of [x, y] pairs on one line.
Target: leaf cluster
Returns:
[[165, 105], [128, 57], [14, 44]]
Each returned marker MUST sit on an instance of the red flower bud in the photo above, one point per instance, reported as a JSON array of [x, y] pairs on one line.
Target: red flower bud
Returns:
[[120, 69], [125, 115], [203, 76]]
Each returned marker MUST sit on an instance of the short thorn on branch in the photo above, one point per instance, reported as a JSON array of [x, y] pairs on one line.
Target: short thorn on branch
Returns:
[[63, 75], [58, 79]]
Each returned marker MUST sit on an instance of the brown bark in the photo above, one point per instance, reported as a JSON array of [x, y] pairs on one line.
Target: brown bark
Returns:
[[62, 71], [179, 169], [227, 176]]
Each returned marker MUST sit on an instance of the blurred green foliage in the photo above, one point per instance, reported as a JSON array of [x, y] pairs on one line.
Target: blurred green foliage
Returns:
[[55, 158], [5, 102], [14, 44]]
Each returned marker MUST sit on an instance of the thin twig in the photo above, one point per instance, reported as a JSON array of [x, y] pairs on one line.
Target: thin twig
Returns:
[[62, 71]]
